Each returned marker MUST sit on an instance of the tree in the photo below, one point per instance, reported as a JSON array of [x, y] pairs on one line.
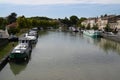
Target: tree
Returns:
[[105, 15], [3, 23], [23, 22], [13, 30], [74, 19], [95, 27], [107, 28], [88, 27], [80, 21], [54, 24], [82, 27], [12, 18], [41, 18], [65, 21], [20, 22]]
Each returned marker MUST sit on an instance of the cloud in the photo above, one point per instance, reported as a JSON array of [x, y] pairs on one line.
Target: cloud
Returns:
[[38, 2]]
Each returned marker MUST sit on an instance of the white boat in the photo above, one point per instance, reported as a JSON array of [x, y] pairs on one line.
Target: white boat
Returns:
[[31, 37], [73, 29], [33, 32], [21, 51], [92, 33]]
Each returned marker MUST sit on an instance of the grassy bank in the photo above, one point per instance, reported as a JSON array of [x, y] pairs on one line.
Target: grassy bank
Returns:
[[4, 50]]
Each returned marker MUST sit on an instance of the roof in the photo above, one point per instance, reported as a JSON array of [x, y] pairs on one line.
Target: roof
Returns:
[[20, 48], [12, 25]]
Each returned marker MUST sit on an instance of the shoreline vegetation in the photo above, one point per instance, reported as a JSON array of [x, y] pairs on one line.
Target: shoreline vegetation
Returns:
[[5, 50], [21, 24]]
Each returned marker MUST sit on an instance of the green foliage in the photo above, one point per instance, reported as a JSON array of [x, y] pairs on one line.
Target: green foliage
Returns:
[[82, 27], [23, 22], [107, 28], [95, 27], [74, 19], [35, 22], [44, 22], [115, 31], [88, 27], [65, 21], [4, 50], [11, 18], [3, 23], [13, 30], [40, 18], [82, 19]]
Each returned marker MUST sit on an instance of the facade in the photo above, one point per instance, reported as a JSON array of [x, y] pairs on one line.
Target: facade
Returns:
[[91, 21], [3, 37], [4, 34], [85, 23], [112, 20], [102, 22]]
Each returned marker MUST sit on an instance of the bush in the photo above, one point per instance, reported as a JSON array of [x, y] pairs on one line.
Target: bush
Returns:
[[95, 27], [107, 28], [13, 30], [88, 27]]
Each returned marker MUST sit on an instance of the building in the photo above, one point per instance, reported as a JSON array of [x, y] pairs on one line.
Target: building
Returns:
[[14, 24], [102, 22], [112, 20], [4, 34], [3, 37], [90, 21]]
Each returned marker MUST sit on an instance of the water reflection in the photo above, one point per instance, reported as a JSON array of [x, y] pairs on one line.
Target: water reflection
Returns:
[[67, 56], [91, 40], [108, 45], [43, 33], [105, 44], [16, 68]]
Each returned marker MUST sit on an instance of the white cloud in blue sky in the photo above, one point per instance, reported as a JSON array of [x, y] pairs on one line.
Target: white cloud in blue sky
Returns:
[[59, 8], [60, 11], [38, 2]]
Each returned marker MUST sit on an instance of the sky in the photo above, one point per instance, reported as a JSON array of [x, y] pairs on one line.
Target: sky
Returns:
[[59, 8]]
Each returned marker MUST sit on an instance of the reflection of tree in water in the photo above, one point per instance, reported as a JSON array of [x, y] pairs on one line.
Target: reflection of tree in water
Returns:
[[108, 45], [16, 68], [42, 33], [19, 65]]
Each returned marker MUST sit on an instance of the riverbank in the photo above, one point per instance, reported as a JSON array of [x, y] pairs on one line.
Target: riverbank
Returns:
[[3, 61], [6, 49], [4, 53], [68, 56], [111, 37], [4, 41]]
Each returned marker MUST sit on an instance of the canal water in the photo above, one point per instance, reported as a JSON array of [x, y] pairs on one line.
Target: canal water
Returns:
[[68, 56]]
